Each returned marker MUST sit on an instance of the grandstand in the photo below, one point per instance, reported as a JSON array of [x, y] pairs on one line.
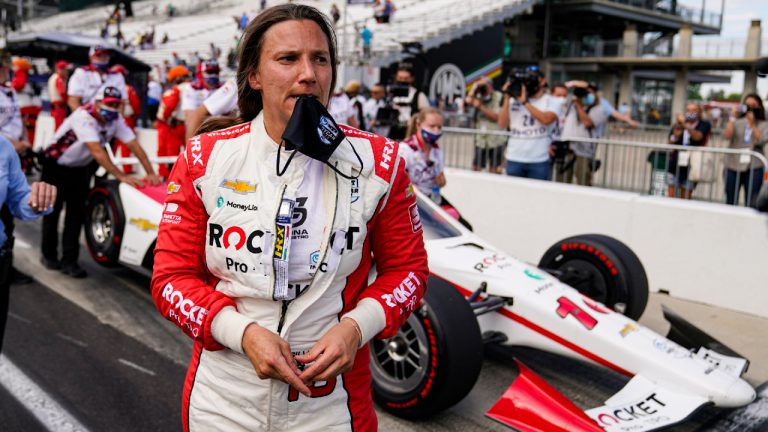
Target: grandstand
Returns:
[[198, 23]]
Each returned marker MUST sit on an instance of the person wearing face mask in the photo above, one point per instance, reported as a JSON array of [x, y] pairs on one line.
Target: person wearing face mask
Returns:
[[584, 115], [489, 149], [269, 235], [406, 99], [747, 129], [423, 157], [86, 81], [689, 130], [194, 94], [68, 164]]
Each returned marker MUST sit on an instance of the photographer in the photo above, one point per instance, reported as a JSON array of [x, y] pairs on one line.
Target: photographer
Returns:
[[584, 115], [747, 130], [689, 130], [531, 115], [406, 99], [488, 148]]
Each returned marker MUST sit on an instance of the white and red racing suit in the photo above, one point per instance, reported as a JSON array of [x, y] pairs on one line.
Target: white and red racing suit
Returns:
[[214, 274]]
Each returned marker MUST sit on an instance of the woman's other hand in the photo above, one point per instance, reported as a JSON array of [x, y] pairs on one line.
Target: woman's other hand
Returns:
[[271, 357]]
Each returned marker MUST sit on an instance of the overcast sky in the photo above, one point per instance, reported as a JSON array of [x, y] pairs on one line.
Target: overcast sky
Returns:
[[738, 14]]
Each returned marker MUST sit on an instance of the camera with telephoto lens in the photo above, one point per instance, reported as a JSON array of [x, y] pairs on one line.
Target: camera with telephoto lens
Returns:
[[580, 92], [520, 78]]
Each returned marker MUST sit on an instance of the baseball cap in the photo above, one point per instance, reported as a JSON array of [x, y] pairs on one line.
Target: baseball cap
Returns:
[[21, 63], [352, 86], [118, 68], [109, 94], [211, 67], [98, 49], [62, 64], [177, 71]]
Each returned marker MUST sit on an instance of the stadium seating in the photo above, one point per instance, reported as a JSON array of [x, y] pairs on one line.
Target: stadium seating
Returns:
[[200, 22]]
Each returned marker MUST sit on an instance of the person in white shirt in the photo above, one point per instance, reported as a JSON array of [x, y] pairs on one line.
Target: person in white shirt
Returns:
[[223, 101], [86, 81], [371, 110], [341, 109], [68, 165], [197, 92], [531, 116], [584, 117]]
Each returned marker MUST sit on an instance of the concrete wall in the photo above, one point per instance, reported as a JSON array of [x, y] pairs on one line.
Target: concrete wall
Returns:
[[710, 253]]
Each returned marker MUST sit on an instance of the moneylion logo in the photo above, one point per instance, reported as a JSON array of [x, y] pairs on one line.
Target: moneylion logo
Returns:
[[143, 224], [238, 186]]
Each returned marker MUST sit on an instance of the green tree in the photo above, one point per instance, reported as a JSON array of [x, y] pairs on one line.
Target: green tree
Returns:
[[694, 92], [716, 95], [734, 97]]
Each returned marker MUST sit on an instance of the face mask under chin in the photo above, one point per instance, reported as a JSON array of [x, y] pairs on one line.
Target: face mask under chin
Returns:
[[312, 131]]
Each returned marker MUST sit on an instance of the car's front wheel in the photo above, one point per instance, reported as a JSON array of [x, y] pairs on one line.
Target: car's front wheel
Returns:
[[104, 222], [603, 269], [434, 359]]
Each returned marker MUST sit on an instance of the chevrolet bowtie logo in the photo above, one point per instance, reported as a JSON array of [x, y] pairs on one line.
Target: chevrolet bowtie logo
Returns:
[[409, 191], [143, 224], [172, 188], [238, 186]]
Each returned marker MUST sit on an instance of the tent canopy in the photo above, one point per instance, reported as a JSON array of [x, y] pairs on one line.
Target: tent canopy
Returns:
[[71, 47]]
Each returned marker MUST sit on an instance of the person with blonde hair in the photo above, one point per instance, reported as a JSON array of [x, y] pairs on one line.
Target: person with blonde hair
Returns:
[[423, 157]]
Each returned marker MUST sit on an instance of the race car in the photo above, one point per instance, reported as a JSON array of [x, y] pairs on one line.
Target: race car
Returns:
[[581, 301]]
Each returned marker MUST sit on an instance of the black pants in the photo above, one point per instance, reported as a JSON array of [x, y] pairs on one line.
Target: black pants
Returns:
[[5, 285], [72, 184]]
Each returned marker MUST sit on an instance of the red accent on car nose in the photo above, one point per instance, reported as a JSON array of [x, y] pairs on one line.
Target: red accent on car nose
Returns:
[[530, 404]]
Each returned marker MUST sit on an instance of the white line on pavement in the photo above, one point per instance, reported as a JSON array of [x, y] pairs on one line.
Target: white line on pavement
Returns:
[[17, 242], [47, 411], [137, 367], [73, 340], [19, 317]]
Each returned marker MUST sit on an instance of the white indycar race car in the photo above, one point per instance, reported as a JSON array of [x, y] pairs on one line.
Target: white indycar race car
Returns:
[[581, 302]]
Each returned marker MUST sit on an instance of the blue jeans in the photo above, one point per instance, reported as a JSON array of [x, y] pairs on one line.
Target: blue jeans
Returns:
[[536, 170], [750, 180]]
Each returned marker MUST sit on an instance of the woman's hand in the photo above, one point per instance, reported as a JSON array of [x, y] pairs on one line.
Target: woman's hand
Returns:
[[271, 357], [333, 354], [42, 197]]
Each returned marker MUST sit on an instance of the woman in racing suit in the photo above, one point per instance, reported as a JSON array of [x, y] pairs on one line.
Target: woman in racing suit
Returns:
[[264, 253]]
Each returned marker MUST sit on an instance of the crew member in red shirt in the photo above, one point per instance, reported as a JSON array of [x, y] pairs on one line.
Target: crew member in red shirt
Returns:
[[57, 92], [170, 117], [29, 102]]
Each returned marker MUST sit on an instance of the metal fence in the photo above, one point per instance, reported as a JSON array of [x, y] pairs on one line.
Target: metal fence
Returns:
[[635, 161]]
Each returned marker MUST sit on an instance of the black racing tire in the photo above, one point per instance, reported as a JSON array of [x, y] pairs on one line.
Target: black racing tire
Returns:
[[603, 269], [104, 223], [435, 358]]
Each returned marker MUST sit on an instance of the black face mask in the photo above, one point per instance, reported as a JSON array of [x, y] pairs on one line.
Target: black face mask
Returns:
[[312, 131]]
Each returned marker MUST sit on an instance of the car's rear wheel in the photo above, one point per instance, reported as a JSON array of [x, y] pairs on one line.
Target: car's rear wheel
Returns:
[[434, 359], [603, 269], [104, 222]]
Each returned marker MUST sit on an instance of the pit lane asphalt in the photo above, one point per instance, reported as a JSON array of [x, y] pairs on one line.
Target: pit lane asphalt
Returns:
[[112, 312]]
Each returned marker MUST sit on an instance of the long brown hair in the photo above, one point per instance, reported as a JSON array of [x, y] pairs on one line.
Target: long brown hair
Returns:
[[249, 100]]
